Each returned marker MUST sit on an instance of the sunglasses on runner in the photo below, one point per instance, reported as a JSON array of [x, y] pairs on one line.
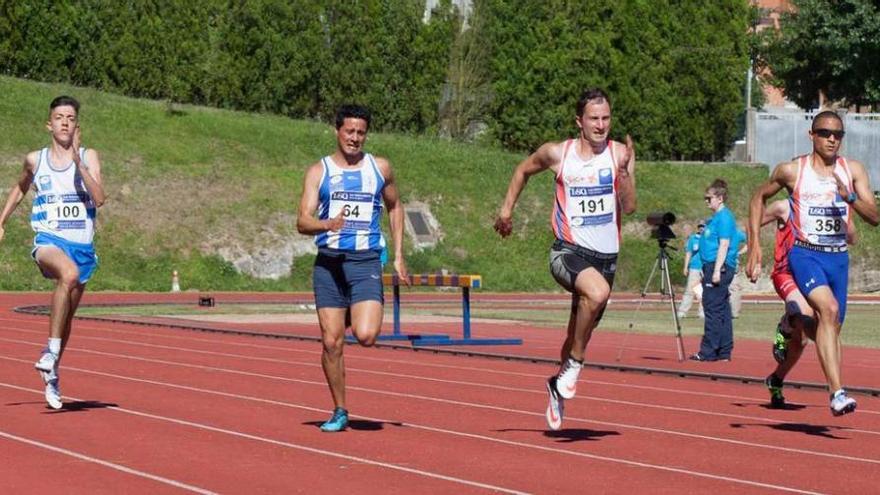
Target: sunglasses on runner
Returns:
[[827, 133]]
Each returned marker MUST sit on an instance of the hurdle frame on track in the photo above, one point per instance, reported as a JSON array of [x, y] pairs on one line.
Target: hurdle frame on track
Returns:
[[465, 283]]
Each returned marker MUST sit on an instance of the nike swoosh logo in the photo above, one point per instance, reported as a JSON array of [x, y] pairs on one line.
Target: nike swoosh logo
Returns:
[[553, 416]]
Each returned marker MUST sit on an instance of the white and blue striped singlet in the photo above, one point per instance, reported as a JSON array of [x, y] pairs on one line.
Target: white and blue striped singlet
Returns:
[[357, 193], [62, 204]]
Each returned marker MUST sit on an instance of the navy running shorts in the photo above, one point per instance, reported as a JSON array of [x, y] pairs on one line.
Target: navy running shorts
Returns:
[[812, 269], [342, 278]]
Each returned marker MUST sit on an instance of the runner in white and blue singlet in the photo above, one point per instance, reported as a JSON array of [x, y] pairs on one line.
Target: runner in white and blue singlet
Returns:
[[824, 189], [341, 205], [68, 190], [594, 184], [357, 193]]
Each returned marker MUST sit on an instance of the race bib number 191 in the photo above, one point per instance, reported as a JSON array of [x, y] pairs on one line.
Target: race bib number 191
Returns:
[[589, 206]]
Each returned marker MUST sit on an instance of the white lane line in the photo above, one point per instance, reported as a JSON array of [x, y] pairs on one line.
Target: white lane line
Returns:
[[363, 370], [309, 364], [428, 428], [491, 370], [93, 325], [753, 357], [111, 465], [295, 446], [661, 431]]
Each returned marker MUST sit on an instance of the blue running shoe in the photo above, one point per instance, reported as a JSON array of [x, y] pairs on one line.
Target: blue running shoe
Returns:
[[337, 422]]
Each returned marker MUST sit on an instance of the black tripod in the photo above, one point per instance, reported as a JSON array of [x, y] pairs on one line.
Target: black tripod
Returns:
[[666, 289]]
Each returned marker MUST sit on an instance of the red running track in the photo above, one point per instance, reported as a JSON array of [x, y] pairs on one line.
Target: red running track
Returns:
[[154, 410]]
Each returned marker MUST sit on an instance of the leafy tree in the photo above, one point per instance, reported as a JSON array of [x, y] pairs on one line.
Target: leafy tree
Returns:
[[382, 55], [39, 39], [544, 53], [467, 93], [151, 49], [827, 46], [674, 70], [265, 56]]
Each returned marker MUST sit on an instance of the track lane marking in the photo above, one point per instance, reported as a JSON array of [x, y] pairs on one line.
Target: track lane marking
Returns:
[[111, 465]]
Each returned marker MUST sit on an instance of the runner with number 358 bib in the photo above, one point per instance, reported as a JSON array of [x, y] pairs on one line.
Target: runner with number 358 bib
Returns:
[[824, 190]]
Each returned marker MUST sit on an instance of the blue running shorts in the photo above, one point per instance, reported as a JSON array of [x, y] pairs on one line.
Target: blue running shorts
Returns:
[[83, 255], [342, 278], [814, 268]]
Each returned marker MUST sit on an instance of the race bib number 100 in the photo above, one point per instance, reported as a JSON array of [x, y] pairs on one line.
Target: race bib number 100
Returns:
[[61, 215], [356, 209]]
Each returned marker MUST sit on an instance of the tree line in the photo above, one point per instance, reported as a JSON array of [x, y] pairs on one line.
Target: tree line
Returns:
[[676, 70]]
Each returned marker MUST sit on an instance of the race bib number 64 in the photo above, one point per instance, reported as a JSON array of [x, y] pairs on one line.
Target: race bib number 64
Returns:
[[356, 208]]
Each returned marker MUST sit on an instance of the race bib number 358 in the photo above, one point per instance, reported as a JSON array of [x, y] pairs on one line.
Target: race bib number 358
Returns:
[[356, 208]]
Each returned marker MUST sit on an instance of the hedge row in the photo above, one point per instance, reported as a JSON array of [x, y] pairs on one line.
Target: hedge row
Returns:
[[675, 70]]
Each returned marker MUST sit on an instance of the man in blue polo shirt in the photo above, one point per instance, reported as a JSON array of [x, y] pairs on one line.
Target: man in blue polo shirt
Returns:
[[719, 266]]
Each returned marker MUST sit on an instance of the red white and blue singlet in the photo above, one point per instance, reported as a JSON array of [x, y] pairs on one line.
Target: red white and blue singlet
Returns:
[[586, 212], [357, 193], [819, 215]]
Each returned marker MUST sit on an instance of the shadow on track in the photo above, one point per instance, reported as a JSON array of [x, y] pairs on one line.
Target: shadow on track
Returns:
[[807, 429], [569, 434], [360, 424]]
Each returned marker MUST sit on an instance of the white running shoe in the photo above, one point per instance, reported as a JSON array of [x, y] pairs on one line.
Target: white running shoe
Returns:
[[47, 362], [53, 394], [48, 376], [842, 404], [47, 366], [555, 407], [566, 383]]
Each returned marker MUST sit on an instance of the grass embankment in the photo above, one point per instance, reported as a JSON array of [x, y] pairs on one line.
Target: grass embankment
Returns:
[[184, 183]]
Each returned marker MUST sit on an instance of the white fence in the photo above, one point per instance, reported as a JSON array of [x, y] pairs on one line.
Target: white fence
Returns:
[[779, 137]]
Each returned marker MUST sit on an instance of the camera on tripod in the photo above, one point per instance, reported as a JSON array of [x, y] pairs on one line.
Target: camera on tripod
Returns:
[[661, 222]]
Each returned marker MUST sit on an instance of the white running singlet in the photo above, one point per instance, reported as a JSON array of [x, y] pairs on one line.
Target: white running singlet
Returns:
[[62, 204], [819, 214], [585, 212]]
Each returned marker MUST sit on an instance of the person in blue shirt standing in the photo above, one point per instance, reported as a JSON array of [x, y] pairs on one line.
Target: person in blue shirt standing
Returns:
[[719, 267], [739, 246], [693, 270]]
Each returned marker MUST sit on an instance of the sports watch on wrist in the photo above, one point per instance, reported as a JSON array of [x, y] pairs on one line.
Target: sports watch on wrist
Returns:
[[851, 197]]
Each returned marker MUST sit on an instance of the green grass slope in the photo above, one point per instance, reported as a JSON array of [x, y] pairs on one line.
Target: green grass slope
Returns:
[[184, 183]]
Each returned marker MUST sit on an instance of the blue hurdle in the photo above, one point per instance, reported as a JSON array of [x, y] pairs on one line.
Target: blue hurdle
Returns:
[[466, 283]]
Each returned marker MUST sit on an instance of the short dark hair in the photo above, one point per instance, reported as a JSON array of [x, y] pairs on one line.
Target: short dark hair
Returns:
[[825, 114], [719, 188], [588, 96], [64, 101], [352, 112]]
